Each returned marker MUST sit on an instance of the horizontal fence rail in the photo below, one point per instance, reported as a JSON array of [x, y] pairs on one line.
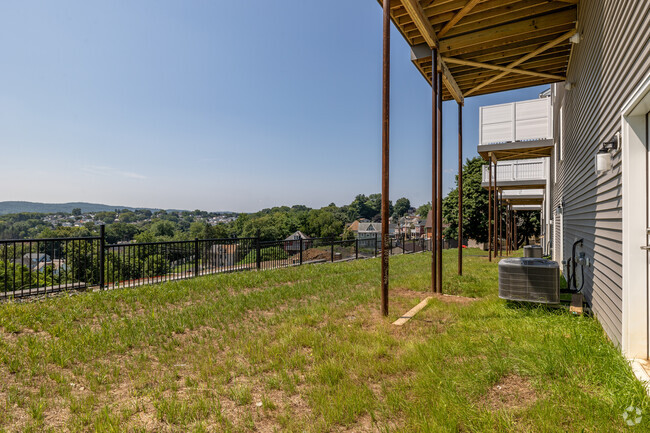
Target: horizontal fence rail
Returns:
[[34, 267]]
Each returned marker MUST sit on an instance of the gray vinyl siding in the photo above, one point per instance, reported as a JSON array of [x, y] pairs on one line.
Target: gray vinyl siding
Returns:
[[605, 67]]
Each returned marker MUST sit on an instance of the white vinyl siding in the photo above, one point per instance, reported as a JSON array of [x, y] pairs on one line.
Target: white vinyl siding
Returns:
[[606, 66]]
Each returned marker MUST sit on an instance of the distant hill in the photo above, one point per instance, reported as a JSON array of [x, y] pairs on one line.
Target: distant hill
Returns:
[[7, 207]]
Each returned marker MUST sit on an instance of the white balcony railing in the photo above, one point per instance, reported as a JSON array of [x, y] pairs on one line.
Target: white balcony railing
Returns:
[[519, 194], [517, 170], [516, 121]]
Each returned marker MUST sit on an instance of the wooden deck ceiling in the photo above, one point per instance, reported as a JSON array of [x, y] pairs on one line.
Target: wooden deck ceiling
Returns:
[[489, 46]]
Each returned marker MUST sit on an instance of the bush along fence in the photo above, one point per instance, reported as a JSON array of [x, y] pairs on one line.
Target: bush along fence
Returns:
[[39, 266]]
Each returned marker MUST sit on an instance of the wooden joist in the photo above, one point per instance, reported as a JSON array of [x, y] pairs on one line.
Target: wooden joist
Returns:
[[528, 56], [416, 13], [450, 83], [421, 21], [482, 41], [492, 18], [504, 34], [502, 68], [461, 13]]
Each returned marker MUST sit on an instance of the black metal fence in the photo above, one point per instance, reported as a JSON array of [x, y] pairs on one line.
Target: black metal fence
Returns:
[[40, 266]]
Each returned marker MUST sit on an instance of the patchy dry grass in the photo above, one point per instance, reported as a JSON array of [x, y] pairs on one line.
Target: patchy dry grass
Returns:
[[306, 349]]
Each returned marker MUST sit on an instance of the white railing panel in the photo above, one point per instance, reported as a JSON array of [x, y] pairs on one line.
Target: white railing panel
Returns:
[[516, 121], [497, 123], [532, 119], [518, 170]]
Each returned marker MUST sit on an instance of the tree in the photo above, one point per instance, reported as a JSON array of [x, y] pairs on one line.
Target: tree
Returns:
[[120, 232], [322, 223], [423, 210], [475, 204], [76, 211], [402, 206], [475, 208], [528, 225]]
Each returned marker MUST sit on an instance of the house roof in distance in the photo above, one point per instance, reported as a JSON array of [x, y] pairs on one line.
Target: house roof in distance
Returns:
[[296, 236]]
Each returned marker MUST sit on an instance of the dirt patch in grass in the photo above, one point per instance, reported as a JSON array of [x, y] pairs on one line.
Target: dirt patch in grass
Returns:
[[407, 293], [311, 254], [511, 392], [453, 299]]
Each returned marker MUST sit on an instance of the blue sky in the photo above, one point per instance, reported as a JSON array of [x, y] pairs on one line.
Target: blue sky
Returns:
[[216, 105]]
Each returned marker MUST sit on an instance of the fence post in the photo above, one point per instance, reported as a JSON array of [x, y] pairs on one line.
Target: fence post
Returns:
[[356, 249], [375, 244], [332, 250], [258, 256], [102, 246], [196, 257], [301, 250], [403, 243]]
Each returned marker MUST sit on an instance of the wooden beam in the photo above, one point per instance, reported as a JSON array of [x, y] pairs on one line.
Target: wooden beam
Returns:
[[501, 68], [415, 11], [421, 21], [528, 56], [450, 82], [507, 33], [523, 9], [461, 13], [412, 312]]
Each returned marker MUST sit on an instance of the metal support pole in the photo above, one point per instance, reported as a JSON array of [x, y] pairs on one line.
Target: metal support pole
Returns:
[[495, 213], [439, 182], [385, 149], [509, 229], [332, 250], [490, 208], [460, 189], [500, 223], [301, 247], [258, 251], [102, 249], [196, 257], [515, 230], [507, 211], [512, 229], [356, 249], [434, 170]]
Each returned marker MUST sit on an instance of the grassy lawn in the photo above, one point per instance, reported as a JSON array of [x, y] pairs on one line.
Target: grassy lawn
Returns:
[[305, 349]]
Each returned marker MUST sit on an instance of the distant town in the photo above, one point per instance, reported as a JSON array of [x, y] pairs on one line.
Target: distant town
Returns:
[[361, 218]]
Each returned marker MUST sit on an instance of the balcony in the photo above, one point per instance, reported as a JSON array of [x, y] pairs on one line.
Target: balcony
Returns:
[[525, 207], [516, 130], [518, 174], [524, 197]]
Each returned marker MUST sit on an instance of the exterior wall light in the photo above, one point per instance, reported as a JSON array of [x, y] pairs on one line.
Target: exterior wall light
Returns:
[[568, 85], [575, 39], [604, 155]]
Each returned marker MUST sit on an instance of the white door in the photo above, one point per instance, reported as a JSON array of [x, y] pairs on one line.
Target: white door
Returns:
[[635, 183]]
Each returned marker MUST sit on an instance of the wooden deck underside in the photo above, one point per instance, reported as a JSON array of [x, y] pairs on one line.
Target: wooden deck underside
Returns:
[[489, 46]]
